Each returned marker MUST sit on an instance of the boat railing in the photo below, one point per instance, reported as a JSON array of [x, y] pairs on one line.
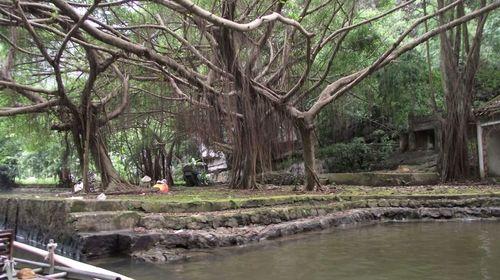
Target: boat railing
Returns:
[[6, 252], [6, 243], [58, 267]]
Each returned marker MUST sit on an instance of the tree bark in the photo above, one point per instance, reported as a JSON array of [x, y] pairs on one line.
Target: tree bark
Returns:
[[245, 149], [459, 64], [246, 175], [86, 148], [168, 165], [244, 171], [110, 179], [308, 152], [90, 143], [454, 153], [64, 171]]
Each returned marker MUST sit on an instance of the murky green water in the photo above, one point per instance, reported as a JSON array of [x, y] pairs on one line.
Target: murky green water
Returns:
[[432, 250]]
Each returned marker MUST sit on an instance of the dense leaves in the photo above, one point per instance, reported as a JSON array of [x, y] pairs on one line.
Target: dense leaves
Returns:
[[141, 85]]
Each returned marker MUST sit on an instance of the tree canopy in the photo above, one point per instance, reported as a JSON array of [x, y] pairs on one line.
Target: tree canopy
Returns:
[[131, 82]]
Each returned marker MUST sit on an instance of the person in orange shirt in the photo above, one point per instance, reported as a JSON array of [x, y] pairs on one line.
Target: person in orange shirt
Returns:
[[161, 186]]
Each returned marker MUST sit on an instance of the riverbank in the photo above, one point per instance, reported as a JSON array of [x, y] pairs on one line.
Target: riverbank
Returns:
[[458, 249], [189, 221]]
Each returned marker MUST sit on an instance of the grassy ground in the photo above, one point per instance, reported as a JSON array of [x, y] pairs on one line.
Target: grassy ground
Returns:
[[420, 190], [218, 193], [183, 194], [37, 181]]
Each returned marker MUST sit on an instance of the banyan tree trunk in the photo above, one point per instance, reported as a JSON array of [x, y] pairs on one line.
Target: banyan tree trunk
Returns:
[[244, 171], [460, 59], [95, 146], [168, 165], [64, 171], [156, 162], [147, 162], [111, 180], [245, 145], [245, 168], [454, 153], [308, 151]]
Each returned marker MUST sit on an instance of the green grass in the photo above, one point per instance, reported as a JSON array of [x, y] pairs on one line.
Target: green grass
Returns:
[[418, 190], [179, 182], [214, 194], [182, 194], [196, 194], [37, 181]]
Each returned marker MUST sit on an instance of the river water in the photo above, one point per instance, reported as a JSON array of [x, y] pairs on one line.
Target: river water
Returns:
[[396, 251]]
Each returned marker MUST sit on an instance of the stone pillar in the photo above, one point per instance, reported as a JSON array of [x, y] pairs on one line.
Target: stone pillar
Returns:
[[412, 145], [480, 150], [403, 142]]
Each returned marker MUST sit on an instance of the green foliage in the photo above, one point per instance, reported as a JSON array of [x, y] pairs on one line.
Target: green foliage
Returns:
[[50, 182], [403, 88], [40, 163], [356, 155], [199, 166], [488, 82], [7, 175], [362, 39], [9, 169], [288, 161], [28, 148]]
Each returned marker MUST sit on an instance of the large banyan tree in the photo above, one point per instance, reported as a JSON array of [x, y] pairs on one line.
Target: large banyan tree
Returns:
[[78, 84], [253, 67], [460, 58]]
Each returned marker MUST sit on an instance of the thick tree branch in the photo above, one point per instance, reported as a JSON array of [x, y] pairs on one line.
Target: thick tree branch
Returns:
[[244, 27], [336, 89], [37, 108]]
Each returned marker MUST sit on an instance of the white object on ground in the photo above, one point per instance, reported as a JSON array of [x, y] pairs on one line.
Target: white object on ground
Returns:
[[78, 187], [102, 196], [146, 179], [75, 198], [164, 181]]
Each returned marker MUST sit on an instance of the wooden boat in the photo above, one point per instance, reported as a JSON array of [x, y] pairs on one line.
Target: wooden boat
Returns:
[[56, 267]]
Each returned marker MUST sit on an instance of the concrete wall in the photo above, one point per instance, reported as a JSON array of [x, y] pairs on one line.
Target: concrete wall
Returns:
[[493, 152], [381, 179]]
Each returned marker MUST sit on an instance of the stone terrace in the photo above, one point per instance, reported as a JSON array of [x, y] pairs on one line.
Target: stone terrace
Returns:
[[168, 227]]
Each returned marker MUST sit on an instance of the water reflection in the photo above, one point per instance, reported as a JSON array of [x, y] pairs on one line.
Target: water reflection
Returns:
[[433, 250]]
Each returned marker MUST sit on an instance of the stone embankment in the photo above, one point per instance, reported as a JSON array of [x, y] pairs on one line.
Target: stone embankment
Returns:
[[159, 231]]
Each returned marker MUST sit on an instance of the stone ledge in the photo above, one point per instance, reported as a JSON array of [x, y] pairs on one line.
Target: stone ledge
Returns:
[[381, 179], [179, 245], [274, 215], [103, 220], [40, 220]]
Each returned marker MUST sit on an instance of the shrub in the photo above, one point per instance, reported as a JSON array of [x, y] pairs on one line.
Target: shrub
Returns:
[[356, 155], [8, 172]]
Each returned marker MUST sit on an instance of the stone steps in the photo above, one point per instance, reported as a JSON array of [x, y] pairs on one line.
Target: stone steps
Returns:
[[185, 231], [179, 245], [103, 220], [107, 221], [382, 179], [276, 215], [106, 243], [235, 218], [100, 221], [160, 206]]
